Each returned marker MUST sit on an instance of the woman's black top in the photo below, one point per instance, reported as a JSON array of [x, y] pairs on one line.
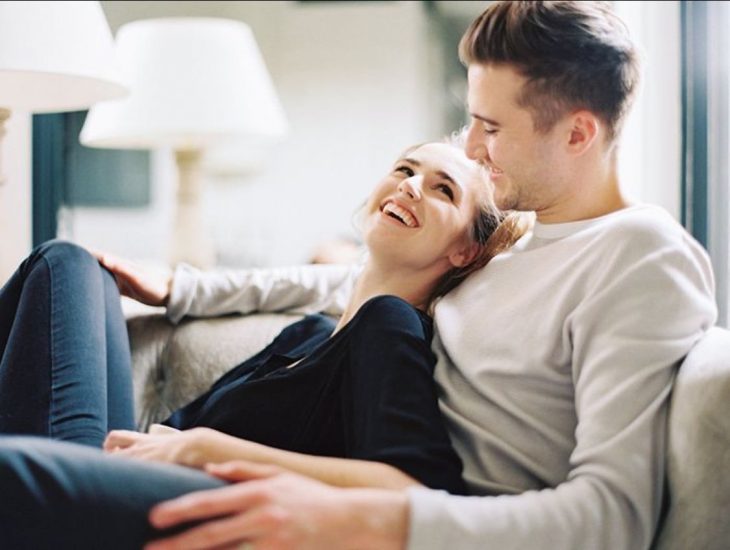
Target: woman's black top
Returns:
[[365, 393]]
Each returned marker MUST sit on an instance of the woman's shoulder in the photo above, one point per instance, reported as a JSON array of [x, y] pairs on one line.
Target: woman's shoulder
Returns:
[[387, 313]]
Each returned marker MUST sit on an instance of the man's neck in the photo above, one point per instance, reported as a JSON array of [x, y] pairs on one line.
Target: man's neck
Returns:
[[595, 192]]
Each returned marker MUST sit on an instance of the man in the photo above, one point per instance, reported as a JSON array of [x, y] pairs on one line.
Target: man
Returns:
[[555, 361]]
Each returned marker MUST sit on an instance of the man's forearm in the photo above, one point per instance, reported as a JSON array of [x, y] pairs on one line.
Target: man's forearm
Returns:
[[375, 519]]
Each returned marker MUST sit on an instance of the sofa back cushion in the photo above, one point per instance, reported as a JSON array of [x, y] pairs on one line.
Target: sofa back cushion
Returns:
[[698, 468]]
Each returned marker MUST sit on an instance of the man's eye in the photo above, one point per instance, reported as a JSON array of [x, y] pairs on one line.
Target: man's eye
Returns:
[[489, 131], [406, 170], [446, 190]]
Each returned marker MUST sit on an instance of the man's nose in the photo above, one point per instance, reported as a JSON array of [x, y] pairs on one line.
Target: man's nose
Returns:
[[412, 187], [475, 147]]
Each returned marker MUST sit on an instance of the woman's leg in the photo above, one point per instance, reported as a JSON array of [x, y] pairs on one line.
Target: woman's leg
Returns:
[[62, 340], [61, 495], [120, 397]]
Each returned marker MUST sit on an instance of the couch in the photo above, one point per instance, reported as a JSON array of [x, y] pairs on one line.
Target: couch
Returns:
[[173, 364]]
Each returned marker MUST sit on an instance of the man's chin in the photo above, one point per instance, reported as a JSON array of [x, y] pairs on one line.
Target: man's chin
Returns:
[[506, 201]]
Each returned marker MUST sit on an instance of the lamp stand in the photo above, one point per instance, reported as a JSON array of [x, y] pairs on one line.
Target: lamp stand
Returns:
[[191, 243], [4, 115]]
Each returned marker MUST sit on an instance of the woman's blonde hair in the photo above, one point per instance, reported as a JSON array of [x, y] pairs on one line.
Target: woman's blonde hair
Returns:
[[493, 230]]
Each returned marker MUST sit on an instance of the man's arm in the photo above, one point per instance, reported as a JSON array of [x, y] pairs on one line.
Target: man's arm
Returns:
[[276, 510], [300, 289]]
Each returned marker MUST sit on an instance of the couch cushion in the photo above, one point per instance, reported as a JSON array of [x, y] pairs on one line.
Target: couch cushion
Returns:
[[698, 466], [174, 364]]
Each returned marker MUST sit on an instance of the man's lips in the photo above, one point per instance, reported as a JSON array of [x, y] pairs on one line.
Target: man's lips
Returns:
[[493, 171], [400, 212]]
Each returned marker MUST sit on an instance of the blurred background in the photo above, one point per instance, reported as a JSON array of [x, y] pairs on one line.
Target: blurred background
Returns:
[[358, 82]]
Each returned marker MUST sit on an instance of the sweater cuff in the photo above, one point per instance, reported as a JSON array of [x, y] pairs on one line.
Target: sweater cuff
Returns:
[[182, 291], [426, 519]]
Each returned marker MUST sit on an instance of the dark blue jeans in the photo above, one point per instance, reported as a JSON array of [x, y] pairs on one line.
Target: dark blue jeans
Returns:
[[65, 374], [65, 367], [57, 495]]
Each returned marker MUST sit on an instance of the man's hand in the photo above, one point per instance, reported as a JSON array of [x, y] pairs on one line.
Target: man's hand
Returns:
[[144, 285], [276, 510]]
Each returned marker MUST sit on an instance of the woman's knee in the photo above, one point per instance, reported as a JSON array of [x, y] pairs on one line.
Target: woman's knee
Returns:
[[63, 250], [58, 253]]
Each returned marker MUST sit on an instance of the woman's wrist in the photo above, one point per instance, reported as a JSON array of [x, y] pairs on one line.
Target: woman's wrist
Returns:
[[198, 448]]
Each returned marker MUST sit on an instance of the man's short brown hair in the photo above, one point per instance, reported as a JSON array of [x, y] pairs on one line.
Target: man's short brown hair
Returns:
[[574, 55]]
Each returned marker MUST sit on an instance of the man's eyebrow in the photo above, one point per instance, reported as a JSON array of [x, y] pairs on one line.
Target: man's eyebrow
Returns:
[[484, 119]]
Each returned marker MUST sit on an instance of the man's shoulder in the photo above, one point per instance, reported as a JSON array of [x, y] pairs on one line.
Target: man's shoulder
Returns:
[[644, 228], [643, 219]]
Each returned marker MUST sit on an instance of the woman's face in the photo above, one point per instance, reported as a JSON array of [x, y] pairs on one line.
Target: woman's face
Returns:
[[420, 215]]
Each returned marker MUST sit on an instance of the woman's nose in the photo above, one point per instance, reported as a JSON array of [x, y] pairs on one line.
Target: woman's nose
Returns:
[[412, 187]]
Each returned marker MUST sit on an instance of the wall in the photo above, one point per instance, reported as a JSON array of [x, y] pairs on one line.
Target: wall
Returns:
[[650, 154], [15, 193], [358, 82]]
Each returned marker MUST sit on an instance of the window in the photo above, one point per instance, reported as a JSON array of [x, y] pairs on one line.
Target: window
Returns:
[[705, 144]]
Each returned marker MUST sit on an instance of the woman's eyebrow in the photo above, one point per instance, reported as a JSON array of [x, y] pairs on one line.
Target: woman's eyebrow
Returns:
[[439, 173], [444, 175]]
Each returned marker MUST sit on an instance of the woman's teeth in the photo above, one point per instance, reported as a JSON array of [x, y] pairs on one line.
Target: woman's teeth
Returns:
[[400, 214]]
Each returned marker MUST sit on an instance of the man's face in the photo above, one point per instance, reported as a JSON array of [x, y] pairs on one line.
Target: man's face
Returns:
[[524, 164]]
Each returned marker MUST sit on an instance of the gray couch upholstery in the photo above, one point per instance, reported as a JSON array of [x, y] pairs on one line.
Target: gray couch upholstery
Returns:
[[173, 364]]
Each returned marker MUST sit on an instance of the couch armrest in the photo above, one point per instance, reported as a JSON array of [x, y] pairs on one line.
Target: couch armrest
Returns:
[[698, 450], [174, 364]]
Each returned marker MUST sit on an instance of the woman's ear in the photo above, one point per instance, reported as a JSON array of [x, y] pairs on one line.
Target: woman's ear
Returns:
[[465, 254]]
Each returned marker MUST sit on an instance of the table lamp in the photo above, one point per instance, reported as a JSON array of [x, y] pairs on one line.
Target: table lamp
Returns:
[[195, 82], [55, 56]]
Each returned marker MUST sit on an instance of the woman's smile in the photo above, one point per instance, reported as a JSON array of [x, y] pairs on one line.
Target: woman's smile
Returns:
[[401, 214]]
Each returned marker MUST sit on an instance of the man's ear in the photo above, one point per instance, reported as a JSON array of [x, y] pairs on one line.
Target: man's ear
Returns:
[[465, 254], [584, 130]]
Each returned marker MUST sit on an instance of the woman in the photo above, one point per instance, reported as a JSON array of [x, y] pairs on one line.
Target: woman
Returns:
[[318, 388]]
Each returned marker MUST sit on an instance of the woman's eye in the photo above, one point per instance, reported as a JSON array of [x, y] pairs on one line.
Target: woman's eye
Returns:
[[489, 131], [446, 190], [406, 170]]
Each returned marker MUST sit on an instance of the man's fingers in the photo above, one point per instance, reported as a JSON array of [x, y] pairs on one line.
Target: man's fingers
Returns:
[[204, 505], [235, 529], [241, 470]]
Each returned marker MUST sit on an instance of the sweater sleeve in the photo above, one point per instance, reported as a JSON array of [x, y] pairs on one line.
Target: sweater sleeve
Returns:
[[300, 289], [628, 337]]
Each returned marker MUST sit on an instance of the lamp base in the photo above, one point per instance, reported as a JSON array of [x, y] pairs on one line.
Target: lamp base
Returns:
[[4, 115], [190, 241]]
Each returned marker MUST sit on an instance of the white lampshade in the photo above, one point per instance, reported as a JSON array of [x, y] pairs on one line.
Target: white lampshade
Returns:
[[56, 56], [194, 82]]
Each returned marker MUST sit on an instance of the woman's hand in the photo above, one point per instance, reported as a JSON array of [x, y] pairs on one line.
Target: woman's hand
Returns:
[[275, 509], [144, 285], [182, 447]]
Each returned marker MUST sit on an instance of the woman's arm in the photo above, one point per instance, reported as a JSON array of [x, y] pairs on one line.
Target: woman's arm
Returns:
[[190, 291], [298, 289], [200, 446]]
